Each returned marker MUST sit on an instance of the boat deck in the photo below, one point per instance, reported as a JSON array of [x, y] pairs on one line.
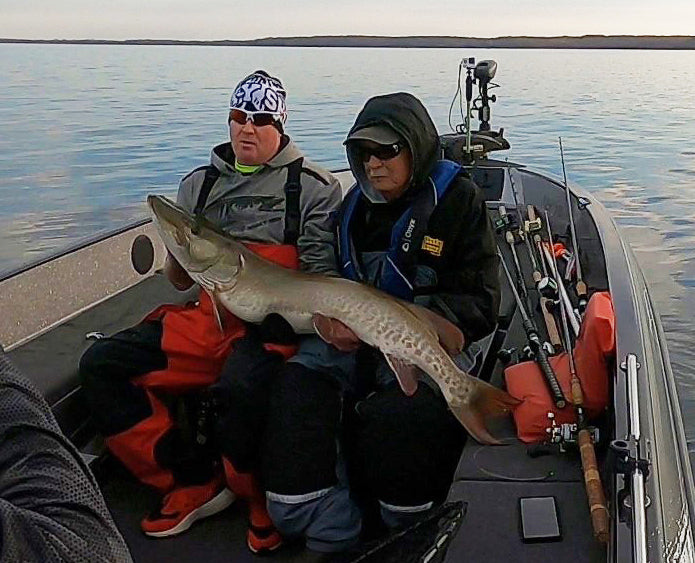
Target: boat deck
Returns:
[[485, 491]]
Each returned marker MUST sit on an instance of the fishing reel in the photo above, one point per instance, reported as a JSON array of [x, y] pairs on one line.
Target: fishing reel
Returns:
[[506, 222], [548, 287], [566, 433], [528, 354]]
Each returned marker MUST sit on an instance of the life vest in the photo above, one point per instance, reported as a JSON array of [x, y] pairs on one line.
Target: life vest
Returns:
[[398, 269]]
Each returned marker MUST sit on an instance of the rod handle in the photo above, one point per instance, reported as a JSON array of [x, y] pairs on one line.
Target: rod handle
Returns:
[[531, 212], [577, 393], [581, 293], [550, 324], [594, 488], [581, 288], [550, 378]]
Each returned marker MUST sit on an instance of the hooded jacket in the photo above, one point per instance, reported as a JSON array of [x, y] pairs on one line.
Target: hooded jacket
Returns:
[[457, 269], [251, 207]]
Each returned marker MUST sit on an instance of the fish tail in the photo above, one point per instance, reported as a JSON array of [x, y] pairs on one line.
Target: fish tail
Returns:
[[485, 401]]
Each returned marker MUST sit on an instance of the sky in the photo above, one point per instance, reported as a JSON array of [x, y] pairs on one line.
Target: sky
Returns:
[[237, 19]]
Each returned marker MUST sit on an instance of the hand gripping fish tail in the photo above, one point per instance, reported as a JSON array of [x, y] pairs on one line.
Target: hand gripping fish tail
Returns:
[[485, 401]]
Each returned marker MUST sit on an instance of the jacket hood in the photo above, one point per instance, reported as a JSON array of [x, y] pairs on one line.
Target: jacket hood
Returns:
[[406, 115], [222, 156]]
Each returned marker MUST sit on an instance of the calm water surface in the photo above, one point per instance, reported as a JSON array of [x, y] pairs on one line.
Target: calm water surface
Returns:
[[87, 131]]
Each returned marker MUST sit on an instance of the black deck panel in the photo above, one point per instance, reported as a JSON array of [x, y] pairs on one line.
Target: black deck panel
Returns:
[[515, 461], [490, 530]]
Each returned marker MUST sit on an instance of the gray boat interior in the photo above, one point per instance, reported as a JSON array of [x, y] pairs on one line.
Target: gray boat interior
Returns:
[[481, 520]]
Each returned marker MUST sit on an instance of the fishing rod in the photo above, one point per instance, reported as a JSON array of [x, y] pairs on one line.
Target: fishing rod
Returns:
[[585, 438], [564, 298], [534, 225], [577, 395], [547, 285], [580, 286], [543, 285], [535, 342], [507, 224], [522, 232]]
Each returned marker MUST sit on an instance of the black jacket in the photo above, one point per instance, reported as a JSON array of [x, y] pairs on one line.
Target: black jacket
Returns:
[[51, 508], [465, 287]]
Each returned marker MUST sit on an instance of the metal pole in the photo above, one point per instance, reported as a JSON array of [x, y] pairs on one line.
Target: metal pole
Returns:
[[639, 504]]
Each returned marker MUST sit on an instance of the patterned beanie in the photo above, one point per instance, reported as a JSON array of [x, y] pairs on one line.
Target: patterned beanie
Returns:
[[260, 92]]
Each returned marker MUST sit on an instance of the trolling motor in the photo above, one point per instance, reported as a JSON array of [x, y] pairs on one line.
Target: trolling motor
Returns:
[[467, 145], [484, 72]]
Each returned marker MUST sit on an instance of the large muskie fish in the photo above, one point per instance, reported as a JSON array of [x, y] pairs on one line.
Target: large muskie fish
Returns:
[[252, 287]]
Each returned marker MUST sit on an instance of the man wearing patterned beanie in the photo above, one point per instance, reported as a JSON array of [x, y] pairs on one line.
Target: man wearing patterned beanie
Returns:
[[258, 188]]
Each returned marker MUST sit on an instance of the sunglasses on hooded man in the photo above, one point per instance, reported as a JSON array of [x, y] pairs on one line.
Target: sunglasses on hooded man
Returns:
[[367, 149]]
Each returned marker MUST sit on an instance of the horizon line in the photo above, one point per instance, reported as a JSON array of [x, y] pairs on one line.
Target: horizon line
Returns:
[[363, 36]]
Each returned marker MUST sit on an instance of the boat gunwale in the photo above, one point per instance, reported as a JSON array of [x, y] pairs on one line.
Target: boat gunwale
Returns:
[[641, 305]]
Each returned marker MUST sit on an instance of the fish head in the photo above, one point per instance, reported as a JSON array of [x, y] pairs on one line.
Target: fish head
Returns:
[[210, 257]]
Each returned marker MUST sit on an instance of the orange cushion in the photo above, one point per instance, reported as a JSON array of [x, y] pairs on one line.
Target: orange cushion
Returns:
[[594, 353]]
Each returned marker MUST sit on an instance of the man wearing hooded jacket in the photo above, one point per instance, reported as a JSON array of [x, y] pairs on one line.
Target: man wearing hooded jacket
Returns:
[[415, 227], [258, 188]]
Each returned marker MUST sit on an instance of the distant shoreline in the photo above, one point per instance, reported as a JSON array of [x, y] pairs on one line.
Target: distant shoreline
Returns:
[[647, 42]]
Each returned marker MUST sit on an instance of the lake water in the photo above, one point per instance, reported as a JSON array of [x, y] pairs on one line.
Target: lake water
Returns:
[[87, 131]]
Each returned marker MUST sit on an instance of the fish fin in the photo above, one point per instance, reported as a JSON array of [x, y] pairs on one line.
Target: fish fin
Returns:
[[322, 326], [217, 310], [406, 374], [335, 332], [486, 400], [450, 336]]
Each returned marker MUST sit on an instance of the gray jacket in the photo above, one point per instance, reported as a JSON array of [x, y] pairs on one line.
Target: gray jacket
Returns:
[[51, 508], [251, 207]]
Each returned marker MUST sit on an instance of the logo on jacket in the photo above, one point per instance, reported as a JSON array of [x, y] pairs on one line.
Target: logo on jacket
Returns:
[[432, 245], [408, 235], [253, 203]]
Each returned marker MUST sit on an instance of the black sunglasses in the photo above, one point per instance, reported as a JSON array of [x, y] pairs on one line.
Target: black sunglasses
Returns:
[[382, 152], [259, 119]]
